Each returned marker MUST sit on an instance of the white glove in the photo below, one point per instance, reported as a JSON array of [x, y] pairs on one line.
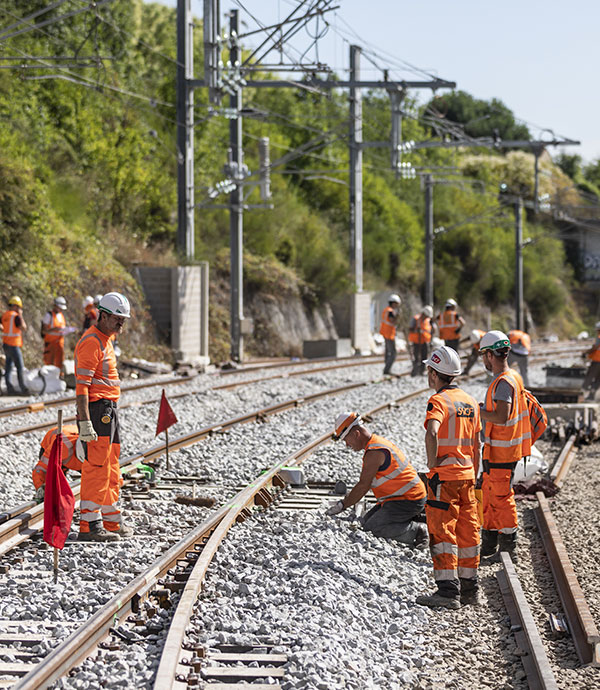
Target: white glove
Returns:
[[336, 508], [87, 432]]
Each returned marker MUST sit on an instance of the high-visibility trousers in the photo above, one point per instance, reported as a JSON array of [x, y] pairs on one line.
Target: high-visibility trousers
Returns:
[[499, 506], [453, 526], [101, 473], [54, 352]]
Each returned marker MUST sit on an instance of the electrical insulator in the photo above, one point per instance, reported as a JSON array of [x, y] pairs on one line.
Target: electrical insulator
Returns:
[[265, 168]]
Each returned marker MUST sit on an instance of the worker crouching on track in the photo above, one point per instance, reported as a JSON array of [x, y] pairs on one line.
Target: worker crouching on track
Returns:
[[507, 440], [452, 428], [73, 455], [389, 319], [396, 485], [97, 392]]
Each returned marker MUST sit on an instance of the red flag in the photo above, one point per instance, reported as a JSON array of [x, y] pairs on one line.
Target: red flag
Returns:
[[166, 416], [58, 499]]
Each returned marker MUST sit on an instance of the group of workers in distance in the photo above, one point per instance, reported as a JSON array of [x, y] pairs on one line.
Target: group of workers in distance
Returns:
[[53, 331], [453, 422]]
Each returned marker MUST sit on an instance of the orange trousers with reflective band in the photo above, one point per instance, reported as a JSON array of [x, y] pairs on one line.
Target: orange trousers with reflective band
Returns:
[[54, 353], [453, 526], [101, 473], [499, 506]]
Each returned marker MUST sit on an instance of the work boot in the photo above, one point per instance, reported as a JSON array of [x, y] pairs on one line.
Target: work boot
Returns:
[[506, 543], [469, 591], [125, 531], [98, 533], [421, 537], [437, 600], [489, 542]]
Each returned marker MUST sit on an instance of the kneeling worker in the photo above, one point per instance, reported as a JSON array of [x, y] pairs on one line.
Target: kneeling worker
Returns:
[[73, 455], [396, 485], [452, 428]]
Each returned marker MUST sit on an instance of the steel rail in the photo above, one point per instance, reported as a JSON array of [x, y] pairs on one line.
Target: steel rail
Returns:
[[535, 661], [581, 623]]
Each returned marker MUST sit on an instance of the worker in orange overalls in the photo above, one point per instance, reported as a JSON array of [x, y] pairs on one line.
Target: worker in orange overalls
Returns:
[[475, 336], [592, 375], [450, 323], [389, 318], [520, 347], [507, 440], [419, 334], [53, 332], [452, 426], [73, 456], [396, 485], [97, 391], [90, 313], [13, 327]]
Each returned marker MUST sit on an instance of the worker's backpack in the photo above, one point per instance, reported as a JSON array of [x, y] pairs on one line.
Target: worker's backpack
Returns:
[[538, 418]]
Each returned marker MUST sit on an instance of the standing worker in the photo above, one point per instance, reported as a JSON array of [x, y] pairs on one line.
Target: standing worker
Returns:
[[90, 313], [389, 318], [419, 334], [450, 323], [592, 375], [507, 440], [13, 326], [452, 428], [53, 331], [520, 347], [475, 338], [396, 485], [97, 392], [73, 456]]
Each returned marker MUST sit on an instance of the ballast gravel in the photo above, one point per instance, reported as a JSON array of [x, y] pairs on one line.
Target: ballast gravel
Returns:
[[339, 602]]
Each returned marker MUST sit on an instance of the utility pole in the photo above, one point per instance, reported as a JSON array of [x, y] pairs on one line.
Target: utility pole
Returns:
[[185, 130], [236, 217], [518, 264], [356, 195], [428, 182]]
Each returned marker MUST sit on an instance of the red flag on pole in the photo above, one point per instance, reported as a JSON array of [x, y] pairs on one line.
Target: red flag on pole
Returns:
[[58, 499], [166, 416]]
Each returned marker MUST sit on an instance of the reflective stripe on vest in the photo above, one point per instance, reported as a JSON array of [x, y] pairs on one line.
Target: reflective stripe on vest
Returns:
[[448, 323], [398, 478], [100, 377], [457, 431], [57, 320], [422, 332], [388, 327], [11, 332], [512, 440]]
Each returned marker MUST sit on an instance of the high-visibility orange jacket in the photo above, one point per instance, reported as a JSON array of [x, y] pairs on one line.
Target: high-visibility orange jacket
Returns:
[[448, 323], [388, 324], [90, 317], [396, 478], [57, 320], [69, 457], [520, 341], [511, 441], [594, 355], [420, 331], [460, 423], [96, 372], [480, 334], [12, 334]]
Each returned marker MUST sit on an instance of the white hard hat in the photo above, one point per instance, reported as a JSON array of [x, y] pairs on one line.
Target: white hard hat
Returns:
[[344, 423], [115, 303], [494, 340], [97, 299], [427, 310], [597, 326], [395, 298], [60, 302], [444, 360], [451, 303], [87, 301], [475, 337]]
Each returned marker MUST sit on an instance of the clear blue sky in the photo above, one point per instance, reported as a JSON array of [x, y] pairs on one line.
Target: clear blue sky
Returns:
[[541, 58]]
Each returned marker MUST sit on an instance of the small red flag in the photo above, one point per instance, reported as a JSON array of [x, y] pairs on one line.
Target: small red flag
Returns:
[[166, 416], [58, 499]]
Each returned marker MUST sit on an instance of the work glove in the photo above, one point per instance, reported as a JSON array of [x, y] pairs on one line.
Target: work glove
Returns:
[[39, 494], [87, 432], [336, 508]]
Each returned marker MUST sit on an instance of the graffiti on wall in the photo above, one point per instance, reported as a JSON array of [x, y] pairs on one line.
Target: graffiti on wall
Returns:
[[591, 266]]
